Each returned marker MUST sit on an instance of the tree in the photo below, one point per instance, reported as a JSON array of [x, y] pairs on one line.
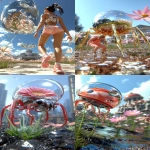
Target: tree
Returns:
[[78, 26]]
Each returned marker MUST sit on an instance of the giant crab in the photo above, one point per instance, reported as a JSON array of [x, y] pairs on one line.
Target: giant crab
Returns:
[[115, 23], [36, 98], [99, 95]]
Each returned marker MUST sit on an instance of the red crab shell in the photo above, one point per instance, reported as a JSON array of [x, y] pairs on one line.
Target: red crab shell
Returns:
[[100, 97]]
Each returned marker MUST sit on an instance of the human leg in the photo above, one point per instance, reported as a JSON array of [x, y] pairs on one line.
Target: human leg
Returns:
[[103, 47], [58, 51], [42, 40]]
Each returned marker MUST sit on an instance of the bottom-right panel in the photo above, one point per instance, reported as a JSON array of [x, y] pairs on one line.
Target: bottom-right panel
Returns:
[[112, 112]]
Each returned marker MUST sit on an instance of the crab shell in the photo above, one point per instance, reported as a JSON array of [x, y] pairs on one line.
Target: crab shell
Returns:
[[100, 97]]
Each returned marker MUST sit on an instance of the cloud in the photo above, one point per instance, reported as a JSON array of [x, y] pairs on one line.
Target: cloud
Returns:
[[72, 33], [78, 82], [124, 80], [143, 90], [66, 88], [65, 47], [18, 52], [3, 81], [93, 78], [2, 30], [19, 44], [1, 35], [5, 43], [48, 48]]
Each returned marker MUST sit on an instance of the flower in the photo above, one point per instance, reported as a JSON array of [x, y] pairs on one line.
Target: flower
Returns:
[[36, 92], [132, 113], [140, 118], [3, 49], [141, 14], [117, 119]]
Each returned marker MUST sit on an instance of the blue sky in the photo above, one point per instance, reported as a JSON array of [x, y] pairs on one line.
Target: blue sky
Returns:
[[68, 18], [125, 84], [87, 10], [13, 81]]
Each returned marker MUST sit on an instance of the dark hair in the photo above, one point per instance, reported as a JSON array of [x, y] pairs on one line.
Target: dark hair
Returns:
[[55, 6]]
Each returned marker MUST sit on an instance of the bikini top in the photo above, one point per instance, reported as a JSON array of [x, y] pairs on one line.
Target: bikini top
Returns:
[[52, 18]]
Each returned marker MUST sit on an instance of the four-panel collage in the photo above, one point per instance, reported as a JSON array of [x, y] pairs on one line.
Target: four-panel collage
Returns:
[[74, 75]]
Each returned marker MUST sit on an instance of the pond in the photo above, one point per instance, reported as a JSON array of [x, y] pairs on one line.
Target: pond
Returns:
[[107, 138]]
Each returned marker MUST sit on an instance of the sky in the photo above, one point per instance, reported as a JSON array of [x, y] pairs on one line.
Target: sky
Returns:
[[88, 10], [68, 18], [125, 84], [17, 80]]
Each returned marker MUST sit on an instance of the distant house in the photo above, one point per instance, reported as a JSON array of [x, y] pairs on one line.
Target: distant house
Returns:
[[29, 55]]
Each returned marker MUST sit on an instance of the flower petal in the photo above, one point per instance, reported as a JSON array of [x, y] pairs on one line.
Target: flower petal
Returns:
[[145, 10], [136, 17], [135, 12], [147, 19], [140, 12]]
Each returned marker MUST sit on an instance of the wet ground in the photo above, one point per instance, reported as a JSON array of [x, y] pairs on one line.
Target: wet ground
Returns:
[[60, 139], [106, 138], [136, 61]]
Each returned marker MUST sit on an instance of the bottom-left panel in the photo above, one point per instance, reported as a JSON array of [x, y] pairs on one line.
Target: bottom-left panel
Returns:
[[37, 112]]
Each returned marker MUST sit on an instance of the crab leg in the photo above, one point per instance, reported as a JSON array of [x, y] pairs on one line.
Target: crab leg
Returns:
[[47, 116], [84, 40], [108, 110], [142, 34], [118, 39], [136, 39], [2, 113], [64, 113], [28, 113], [12, 109], [21, 104]]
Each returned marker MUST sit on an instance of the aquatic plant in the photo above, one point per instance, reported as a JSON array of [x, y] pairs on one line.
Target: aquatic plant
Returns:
[[25, 132]]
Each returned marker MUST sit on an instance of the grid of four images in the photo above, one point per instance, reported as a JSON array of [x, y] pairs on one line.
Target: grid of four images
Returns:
[[74, 75]]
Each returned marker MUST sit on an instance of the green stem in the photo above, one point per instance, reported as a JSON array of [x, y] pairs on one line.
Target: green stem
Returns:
[[81, 121]]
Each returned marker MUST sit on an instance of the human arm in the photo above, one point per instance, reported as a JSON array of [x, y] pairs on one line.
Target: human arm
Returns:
[[64, 28], [40, 25]]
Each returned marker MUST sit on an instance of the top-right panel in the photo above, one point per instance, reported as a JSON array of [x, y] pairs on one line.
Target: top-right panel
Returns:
[[112, 37]]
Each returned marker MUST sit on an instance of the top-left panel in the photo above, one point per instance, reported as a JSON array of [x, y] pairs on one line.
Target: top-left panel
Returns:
[[37, 37]]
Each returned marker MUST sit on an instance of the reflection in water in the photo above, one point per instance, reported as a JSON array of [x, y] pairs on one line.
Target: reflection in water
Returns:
[[20, 17]]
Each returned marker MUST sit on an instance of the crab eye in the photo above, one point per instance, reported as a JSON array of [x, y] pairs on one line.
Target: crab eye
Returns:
[[113, 93], [90, 91]]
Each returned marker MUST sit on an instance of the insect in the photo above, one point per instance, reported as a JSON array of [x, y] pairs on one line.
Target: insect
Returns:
[[115, 23], [36, 98], [99, 95]]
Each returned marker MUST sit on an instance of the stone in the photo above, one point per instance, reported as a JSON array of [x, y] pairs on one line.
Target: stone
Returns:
[[23, 145]]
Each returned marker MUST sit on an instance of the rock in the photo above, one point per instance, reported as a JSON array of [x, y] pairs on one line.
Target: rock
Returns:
[[67, 147], [3, 140], [23, 145], [16, 67], [91, 147]]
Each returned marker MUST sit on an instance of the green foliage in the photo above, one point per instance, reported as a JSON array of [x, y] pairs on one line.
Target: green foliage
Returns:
[[5, 64], [25, 132], [78, 26]]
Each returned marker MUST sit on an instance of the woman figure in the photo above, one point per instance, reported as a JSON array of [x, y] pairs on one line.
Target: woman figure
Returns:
[[95, 43], [49, 20]]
